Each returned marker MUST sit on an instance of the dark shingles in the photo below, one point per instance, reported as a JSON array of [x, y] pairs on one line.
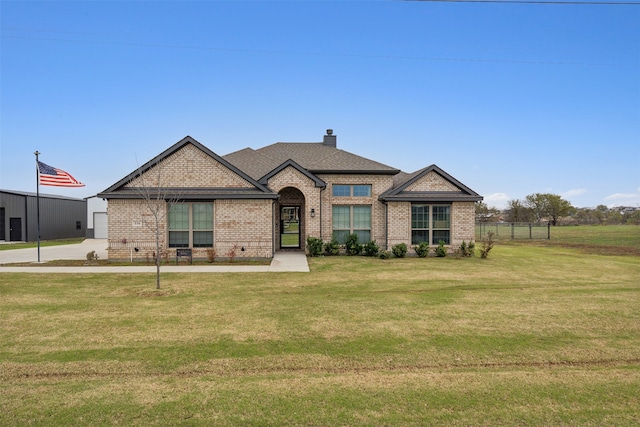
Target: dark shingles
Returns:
[[314, 157]]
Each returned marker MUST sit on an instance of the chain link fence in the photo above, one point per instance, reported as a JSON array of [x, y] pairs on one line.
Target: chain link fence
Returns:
[[513, 230]]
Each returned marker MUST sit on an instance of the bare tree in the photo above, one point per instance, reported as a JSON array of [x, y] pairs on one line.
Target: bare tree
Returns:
[[157, 197]]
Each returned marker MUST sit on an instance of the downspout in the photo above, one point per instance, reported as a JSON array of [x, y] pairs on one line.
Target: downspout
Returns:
[[273, 227], [321, 234], [386, 226]]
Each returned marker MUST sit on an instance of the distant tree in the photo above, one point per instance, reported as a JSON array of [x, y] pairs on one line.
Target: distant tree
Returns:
[[557, 207], [543, 205], [615, 217], [633, 217], [517, 212], [538, 205], [601, 212], [586, 216], [485, 213]]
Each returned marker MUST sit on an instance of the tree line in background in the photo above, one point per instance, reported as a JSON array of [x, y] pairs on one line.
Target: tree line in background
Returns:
[[552, 208]]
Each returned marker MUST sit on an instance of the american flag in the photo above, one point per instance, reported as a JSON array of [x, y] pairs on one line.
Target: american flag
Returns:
[[48, 175]]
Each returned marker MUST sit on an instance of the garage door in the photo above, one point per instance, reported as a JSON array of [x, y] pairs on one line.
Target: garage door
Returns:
[[100, 230]]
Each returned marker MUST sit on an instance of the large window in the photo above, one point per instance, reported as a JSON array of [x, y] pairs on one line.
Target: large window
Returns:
[[343, 190], [430, 223], [191, 225], [352, 219]]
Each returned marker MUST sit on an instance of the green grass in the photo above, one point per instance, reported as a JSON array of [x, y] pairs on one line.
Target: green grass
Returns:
[[533, 335], [43, 243], [606, 239]]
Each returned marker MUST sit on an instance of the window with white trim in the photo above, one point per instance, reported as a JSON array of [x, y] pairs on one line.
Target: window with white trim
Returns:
[[352, 219], [430, 223], [191, 225]]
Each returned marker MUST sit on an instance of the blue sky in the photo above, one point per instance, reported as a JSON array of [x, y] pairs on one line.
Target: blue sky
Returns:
[[511, 99]]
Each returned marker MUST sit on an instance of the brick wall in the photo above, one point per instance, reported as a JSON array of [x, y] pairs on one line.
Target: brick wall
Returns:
[[432, 182], [237, 224], [190, 167], [379, 184], [462, 223], [243, 224]]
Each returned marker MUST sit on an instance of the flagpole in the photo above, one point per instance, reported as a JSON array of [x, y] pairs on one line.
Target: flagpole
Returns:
[[38, 200]]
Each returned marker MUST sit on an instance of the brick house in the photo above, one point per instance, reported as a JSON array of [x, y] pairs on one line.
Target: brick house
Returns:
[[251, 203]]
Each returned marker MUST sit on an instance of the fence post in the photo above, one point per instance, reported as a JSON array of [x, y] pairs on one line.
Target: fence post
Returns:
[[530, 233], [513, 227], [549, 230]]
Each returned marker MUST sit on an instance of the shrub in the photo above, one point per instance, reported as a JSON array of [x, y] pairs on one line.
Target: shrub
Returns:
[[422, 249], [314, 246], [385, 255], [467, 250], [352, 245], [332, 247], [211, 255], [232, 254], [399, 250], [371, 248], [487, 245], [440, 250]]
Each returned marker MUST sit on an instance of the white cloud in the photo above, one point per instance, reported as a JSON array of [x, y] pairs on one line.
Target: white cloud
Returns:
[[629, 199], [498, 200], [573, 193]]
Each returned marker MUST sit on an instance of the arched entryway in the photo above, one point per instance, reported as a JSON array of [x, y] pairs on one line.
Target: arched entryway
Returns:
[[290, 219]]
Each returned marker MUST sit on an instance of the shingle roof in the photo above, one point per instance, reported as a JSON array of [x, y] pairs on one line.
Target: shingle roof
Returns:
[[313, 156]]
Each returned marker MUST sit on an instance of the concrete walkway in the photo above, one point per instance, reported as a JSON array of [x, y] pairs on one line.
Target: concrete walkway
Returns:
[[281, 262]]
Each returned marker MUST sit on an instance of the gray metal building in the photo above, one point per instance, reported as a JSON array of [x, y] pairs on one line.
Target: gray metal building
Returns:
[[60, 217]]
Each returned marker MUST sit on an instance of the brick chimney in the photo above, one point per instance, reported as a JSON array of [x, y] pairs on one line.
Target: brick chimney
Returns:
[[330, 139]]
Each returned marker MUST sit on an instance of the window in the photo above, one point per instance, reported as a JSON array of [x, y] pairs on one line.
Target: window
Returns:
[[430, 223], [191, 225], [352, 219], [341, 190], [360, 190]]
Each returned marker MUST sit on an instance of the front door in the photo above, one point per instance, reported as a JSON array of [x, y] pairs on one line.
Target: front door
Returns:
[[15, 229], [290, 227]]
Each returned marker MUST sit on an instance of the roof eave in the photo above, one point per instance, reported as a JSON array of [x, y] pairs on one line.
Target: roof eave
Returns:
[[354, 172], [430, 198]]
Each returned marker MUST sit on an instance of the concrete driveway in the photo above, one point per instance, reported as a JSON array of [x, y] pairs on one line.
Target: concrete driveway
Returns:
[[51, 253]]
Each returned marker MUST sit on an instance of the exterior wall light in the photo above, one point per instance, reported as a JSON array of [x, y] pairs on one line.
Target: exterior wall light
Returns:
[[313, 212]]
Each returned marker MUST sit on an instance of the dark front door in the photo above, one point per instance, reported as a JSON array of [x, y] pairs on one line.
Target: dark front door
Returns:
[[15, 229], [289, 226]]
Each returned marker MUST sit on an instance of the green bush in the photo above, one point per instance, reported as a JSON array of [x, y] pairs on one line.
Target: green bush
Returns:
[[467, 250], [440, 250], [371, 248], [399, 250], [385, 255], [352, 245], [332, 247], [422, 249], [314, 246]]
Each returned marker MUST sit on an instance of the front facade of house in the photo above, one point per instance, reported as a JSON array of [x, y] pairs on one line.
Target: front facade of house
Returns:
[[251, 203]]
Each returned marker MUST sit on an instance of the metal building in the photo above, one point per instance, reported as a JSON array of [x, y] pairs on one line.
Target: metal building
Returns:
[[60, 217]]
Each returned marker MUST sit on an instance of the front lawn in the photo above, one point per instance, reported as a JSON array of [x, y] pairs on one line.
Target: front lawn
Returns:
[[533, 335]]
